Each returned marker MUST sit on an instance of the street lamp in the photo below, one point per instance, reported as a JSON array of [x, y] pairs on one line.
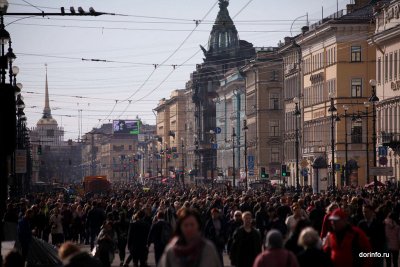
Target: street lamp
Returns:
[[297, 114], [346, 174], [233, 155], [332, 109], [196, 151], [212, 141], [183, 163], [366, 105], [245, 129], [374, 99]]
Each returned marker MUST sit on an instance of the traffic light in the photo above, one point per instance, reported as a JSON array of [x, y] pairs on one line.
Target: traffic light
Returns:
[[284, 170], [263, 173], [39, 150]]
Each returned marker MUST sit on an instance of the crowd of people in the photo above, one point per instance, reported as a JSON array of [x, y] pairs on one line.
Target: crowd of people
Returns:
[[197, 225]]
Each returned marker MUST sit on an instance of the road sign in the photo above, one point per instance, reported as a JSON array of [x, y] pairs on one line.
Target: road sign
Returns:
[[304, 172], [381, 171], [214, 146], [383, 160], [218, 130], [383, 151], [337, 167]]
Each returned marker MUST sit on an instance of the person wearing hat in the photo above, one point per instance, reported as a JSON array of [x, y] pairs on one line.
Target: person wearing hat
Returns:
[[345, 243], [274, 253]]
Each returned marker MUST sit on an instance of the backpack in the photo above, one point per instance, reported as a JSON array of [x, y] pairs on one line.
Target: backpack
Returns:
[[166, 233]]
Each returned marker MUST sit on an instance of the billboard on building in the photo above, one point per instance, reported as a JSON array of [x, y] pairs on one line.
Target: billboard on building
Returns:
[[126, 127]]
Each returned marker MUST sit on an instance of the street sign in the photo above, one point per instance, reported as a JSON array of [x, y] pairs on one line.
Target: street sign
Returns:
[[250, 165], [214, 146], [337, 167], [304, 172], [383, 151], [381, 171], [218, 130]]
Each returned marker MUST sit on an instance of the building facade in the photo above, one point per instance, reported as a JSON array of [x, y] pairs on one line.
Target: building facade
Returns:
[[387, 43], [293, 82], [171, 131], [224, 52], [337, 64], [264, 113]]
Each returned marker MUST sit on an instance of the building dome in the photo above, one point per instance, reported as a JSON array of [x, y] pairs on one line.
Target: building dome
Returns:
[[47, 121], [224, 37]]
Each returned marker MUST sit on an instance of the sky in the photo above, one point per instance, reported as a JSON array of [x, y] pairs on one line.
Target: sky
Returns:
[[141, 35]]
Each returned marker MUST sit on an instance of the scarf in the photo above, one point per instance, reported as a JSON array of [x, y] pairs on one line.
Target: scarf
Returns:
[[188, 254]]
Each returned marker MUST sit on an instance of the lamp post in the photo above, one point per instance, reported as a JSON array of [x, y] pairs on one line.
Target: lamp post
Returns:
[[196, 151], [245, 129], [183, 163], [233, 157], [366, 105], [212, 141], [346, 173], [374, 99], [332, 109], [297, 113]]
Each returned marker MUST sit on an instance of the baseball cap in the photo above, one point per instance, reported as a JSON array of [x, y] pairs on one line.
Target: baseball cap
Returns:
[[337, 214]]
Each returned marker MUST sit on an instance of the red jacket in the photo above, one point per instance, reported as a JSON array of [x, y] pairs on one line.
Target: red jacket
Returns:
[[347, 252]]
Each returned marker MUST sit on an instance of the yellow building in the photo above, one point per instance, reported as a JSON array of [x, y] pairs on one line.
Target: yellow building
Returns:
[[171, 118], [337, 64], [264, 112]]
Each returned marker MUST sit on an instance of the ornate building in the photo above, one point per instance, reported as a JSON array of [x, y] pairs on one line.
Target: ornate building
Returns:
[[225, 51], [387, 43], [54, 160]]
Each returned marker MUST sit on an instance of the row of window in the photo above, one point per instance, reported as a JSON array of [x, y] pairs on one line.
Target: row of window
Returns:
[[329, 57], [390, 67], [319, 60]]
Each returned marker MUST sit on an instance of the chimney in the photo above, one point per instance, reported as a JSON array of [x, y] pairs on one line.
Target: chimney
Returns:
[[305, 29], [287, 39]]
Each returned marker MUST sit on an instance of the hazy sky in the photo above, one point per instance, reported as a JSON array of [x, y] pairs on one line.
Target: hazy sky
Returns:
[[145, 33]]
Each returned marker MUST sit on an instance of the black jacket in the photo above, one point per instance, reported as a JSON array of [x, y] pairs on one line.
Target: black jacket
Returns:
[[137, 235]]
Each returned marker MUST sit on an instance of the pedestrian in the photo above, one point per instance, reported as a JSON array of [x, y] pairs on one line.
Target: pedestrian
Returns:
[[392, 233], [188, 248], [312, 255], [57, 233], [25, 233], [235, 223], [375, 231], [160, 234], [215, 231], [274, 254], [137, 240], [292, 242], [106, 244], [72, 256], [121, 228], [345, 243], [291, 221], [246, 243], [95, 219]]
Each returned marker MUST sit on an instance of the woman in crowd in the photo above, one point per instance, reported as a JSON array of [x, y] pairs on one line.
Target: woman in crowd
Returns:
[[188, 247], [312, 255]]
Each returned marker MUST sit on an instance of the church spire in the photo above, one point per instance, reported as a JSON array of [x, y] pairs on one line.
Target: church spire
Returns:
[[46, 110]]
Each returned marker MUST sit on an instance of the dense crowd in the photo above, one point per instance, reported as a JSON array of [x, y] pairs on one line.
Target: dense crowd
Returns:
[[196, 226]]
